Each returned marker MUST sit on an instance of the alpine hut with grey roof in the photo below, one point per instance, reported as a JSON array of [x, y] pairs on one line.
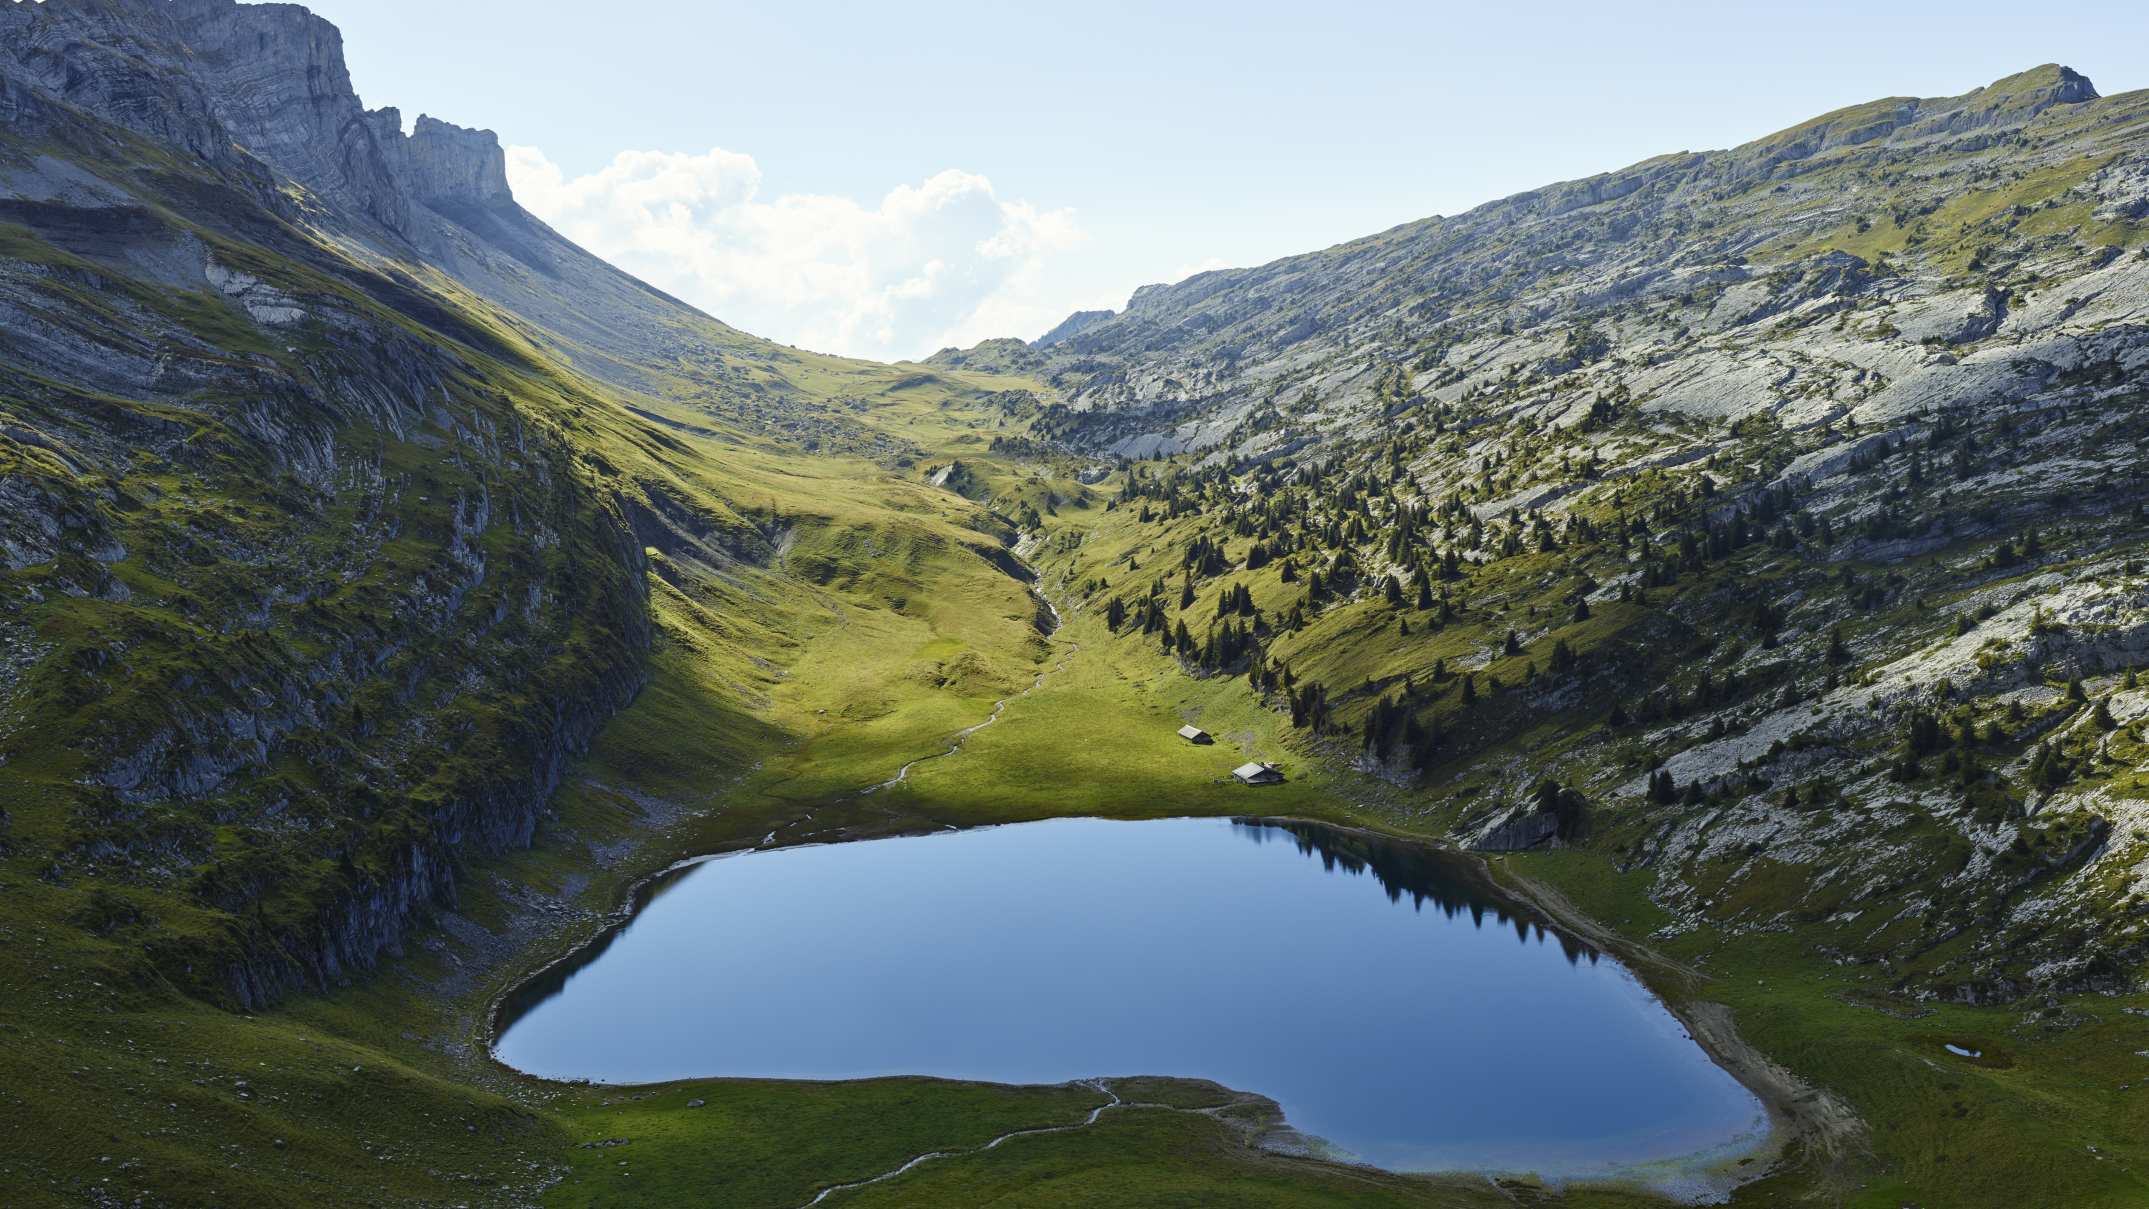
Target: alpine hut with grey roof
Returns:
[[1258, 774], [1195, 735]]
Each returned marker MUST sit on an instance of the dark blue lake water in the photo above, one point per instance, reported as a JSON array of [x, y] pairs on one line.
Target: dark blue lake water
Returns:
[[1376, 990]]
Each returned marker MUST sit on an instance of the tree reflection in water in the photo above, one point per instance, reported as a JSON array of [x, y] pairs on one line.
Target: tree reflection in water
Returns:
[[1454, 884]]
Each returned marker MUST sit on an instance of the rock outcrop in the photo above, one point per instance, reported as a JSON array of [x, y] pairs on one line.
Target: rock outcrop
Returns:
[[1517, 830], [452, 166]]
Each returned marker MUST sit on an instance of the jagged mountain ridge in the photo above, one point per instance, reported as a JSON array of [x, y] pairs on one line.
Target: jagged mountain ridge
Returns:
[[231, 83], [261, 91], [1185, 363]]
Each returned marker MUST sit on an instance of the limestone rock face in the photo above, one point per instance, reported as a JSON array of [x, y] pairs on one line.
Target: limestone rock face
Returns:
[[228, 82], [1517, 830], [92, 57], [453, 165], [1809, 272], [260, 94]]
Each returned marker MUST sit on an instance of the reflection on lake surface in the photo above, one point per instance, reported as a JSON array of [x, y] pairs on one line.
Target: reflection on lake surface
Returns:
[[1378, 991]]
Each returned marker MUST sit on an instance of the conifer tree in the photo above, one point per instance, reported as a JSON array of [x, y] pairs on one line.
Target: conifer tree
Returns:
[[1563, 659]]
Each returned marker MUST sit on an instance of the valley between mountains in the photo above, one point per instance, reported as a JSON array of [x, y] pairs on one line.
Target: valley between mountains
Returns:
[[1742, 552]]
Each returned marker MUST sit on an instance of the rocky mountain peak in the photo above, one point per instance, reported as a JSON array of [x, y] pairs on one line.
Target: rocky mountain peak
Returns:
[[2008, 102], [2050, 83], [228, 82]]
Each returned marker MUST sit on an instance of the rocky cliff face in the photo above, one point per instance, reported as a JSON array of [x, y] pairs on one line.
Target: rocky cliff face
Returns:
[[452, 166], [226, 82], [260, 93]]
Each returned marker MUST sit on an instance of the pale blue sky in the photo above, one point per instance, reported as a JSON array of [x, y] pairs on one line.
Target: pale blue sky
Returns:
[[1122, 143]]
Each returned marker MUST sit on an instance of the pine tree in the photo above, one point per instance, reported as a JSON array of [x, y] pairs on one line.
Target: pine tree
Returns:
[[2048, 769], [1563, 659]]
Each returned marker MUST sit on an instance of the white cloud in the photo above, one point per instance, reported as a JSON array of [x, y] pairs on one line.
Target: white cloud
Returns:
[[944, 261]]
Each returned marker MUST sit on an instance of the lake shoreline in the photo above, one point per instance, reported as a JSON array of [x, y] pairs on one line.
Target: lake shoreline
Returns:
[[1802, 1115], [1799, 1113], [1790, 1107]]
